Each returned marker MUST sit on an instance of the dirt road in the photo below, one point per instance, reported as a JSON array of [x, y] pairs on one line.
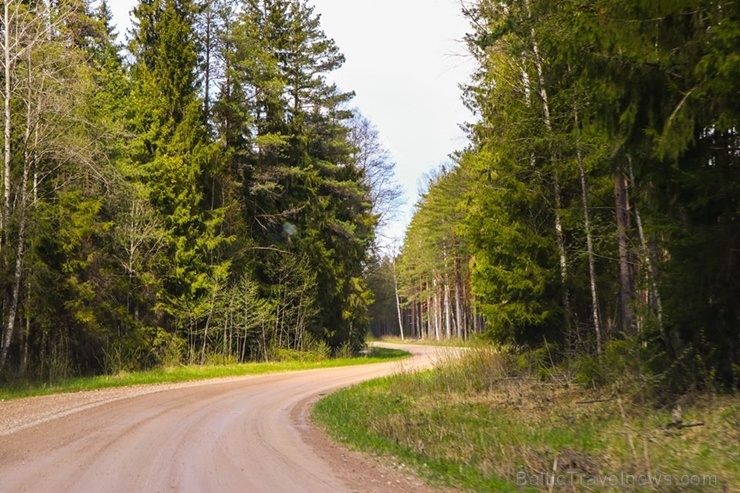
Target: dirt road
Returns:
[[237, 435]]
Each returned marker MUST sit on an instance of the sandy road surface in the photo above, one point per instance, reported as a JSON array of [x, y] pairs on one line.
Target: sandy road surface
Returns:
[[236, 435]]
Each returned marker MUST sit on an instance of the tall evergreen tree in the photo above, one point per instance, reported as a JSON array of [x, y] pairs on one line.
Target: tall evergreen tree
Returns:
[[302, 194], [177, 162]]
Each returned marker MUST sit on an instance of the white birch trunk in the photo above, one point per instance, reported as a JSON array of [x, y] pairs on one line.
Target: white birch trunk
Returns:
[[20, 247], [7, 121], [649, 262], [625, 274], [589, 239], [398, 301]]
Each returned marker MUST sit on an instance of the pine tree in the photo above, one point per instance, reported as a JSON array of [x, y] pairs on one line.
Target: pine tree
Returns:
[[433, 266], [288, 138]]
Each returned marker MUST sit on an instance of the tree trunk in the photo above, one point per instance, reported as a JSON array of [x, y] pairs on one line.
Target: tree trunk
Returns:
[[458, 301], [22, 209], [208, 325], [437, 314], [398, 301], [7, 122], [448, 310], [447, 302], [431, 316], [589, 239], [414, 327], [625, 270], [559, 234], [652, 272], [25, 336], [18, 274], [207, 63], [475, 317]]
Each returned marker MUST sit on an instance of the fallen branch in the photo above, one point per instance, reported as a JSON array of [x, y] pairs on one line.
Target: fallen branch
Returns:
[[680, 426]]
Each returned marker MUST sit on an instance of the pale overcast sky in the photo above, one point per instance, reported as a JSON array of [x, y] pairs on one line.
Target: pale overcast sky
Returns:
[[405, 61]]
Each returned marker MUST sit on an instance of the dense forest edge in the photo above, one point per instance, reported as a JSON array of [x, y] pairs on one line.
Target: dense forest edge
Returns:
[[589, 238], [596, 210], [202, 193]]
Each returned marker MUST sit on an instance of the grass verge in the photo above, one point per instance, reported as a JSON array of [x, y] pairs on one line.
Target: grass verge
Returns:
[[190, 373], [482, 424]]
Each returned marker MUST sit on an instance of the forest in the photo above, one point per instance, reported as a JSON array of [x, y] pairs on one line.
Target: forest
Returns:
[[596, 211], [201, 194]]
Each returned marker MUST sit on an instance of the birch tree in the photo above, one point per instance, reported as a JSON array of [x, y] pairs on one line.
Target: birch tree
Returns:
[[43, 89]]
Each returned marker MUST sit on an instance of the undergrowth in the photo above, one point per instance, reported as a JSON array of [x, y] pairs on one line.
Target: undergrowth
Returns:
[[494, 421]]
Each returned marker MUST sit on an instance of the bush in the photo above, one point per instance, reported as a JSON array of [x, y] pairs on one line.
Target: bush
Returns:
[[345, 351], [168, 348], [314, 351], [220, 359], [123, 356]]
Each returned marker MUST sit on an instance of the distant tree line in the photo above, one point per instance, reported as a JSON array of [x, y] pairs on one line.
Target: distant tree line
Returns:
[[599, 199], [203, 193]]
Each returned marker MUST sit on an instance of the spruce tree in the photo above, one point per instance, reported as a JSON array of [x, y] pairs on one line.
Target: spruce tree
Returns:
[[177, 162]]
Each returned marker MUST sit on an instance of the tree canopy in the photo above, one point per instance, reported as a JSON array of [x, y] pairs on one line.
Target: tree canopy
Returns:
[[201, 193], [599, 191]]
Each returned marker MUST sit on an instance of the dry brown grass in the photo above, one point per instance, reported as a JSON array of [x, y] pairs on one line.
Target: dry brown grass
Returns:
[[483, 420]]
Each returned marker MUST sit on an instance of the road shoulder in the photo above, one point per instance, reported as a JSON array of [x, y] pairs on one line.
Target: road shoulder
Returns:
[[363, 473]]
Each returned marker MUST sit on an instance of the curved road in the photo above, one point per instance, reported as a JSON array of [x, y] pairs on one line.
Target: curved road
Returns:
[[238, 435]]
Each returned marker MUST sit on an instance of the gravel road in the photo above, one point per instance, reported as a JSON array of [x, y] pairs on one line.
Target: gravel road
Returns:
[[248, 434]]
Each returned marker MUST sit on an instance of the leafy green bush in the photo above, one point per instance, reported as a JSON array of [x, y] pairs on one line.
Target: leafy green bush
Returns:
[[314, 351], [168, 348]]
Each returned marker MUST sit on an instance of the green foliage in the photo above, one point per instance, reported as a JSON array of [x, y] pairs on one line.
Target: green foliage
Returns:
[[585, 111], [434, 264], [234, 211], [301, 198], [168, 348], [312, 351], [163, 207], [621, 362], [380, 277], [123, 357]]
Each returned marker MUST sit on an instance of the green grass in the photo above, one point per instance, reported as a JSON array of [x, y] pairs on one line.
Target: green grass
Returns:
[[481, 423], [189, 373]]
